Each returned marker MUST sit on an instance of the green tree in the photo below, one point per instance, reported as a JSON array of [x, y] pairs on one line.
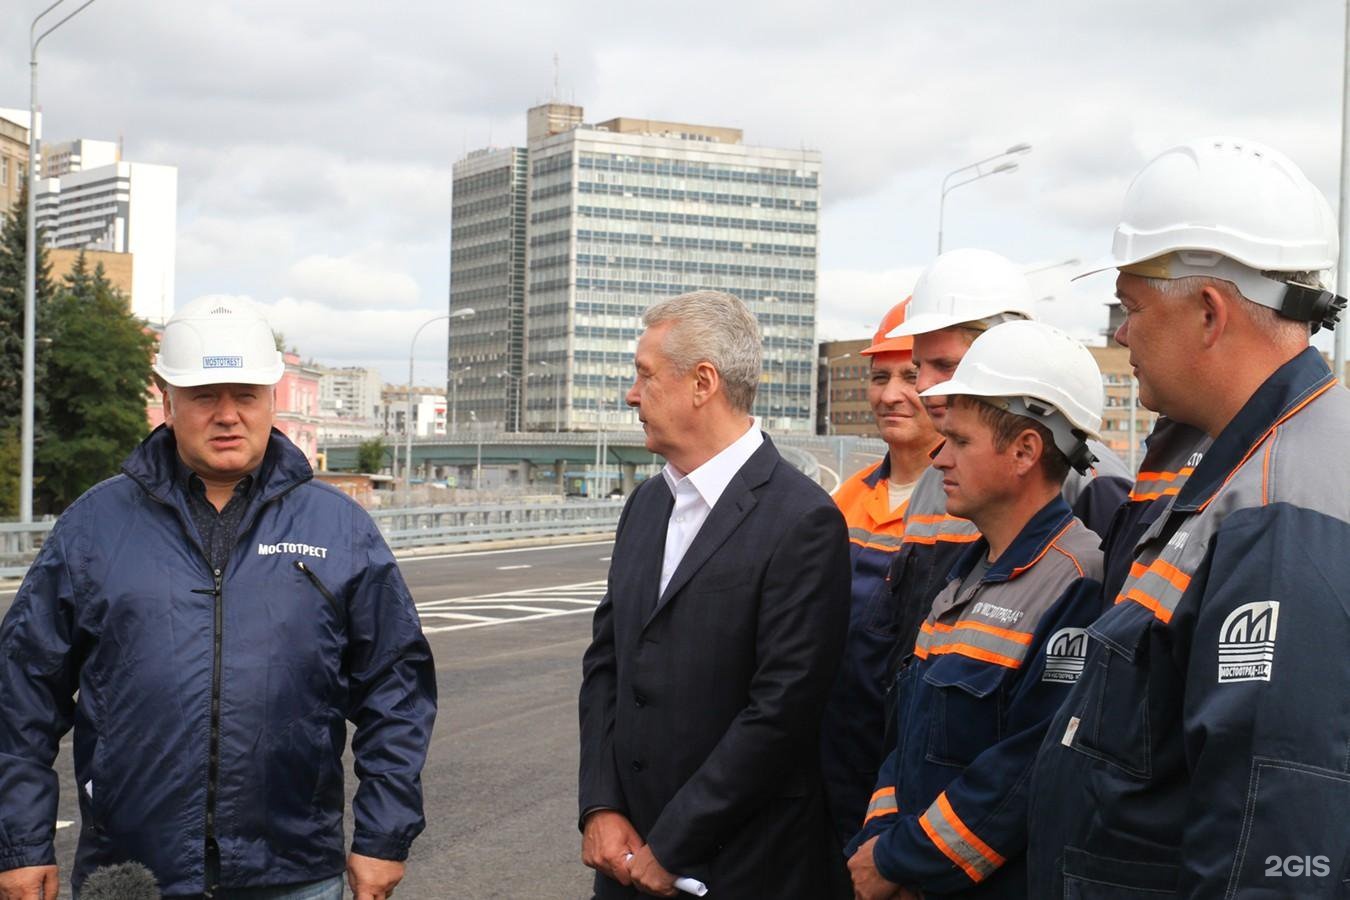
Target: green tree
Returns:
[[13, 256], [370, 455], [9, 472], [98, 376]]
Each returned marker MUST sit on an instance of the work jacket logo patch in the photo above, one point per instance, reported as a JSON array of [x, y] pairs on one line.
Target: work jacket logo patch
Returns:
[[1247, 642], [1065, 654]]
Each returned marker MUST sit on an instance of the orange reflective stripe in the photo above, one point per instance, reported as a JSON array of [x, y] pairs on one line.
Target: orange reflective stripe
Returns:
[[928, 539], [1171, 574], [957, 842], [882, 804], [1152, 604], [972, 652], [1018, 636]]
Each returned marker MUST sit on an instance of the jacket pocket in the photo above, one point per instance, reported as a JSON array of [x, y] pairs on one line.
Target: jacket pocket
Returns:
[[1113, 716], [1295, 839], [1088, 876], [965, 714], [339, 611]]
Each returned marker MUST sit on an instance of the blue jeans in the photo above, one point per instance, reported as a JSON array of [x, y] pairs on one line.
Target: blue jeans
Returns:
[[328, 889]]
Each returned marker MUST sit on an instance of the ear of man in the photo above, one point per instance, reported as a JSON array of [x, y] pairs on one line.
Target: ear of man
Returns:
[[1216, 307], [1027, 449], [707, 382]]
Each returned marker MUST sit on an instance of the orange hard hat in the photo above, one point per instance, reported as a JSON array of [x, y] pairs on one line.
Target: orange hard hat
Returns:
[[891, 321]]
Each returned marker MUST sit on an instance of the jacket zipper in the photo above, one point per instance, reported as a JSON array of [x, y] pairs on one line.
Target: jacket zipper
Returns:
[[213, 758], [327, 594]]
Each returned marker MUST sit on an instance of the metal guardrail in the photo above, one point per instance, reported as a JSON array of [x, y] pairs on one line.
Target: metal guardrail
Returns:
[[424, 526], [403, 528]]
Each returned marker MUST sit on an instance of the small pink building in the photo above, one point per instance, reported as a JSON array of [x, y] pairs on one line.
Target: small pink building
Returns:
[[297, 413]]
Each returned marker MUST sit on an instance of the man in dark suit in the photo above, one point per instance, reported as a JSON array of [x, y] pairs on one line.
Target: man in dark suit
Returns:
[[716, 644]]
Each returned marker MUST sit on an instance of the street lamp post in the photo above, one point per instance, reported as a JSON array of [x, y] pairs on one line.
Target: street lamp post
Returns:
[[30, 267], [1014, 150], [515, 382], [407, 424], [554, 371], [454, 398], [829, 389]]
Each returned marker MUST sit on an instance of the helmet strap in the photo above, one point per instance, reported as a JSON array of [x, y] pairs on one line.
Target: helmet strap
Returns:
[[1299, 302], [1070, 441]]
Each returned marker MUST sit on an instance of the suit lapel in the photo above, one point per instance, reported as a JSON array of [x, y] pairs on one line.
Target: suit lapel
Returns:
[[733, 506]]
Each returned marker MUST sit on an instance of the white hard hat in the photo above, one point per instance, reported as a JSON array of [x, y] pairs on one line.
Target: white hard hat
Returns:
[[218, 341], [1234, 197], [1037, 371], [963, 286]]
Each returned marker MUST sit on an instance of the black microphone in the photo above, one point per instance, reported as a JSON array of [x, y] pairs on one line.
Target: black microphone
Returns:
[[125, 881]]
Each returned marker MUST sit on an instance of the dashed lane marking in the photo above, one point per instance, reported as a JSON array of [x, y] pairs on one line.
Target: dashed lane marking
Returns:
[[509, 568], [505, 607]]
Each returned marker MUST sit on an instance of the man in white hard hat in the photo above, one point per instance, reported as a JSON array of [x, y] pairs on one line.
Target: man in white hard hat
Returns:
[[874, 501], [960, 295], [209, 621], [1003, 641], [1204, 751]]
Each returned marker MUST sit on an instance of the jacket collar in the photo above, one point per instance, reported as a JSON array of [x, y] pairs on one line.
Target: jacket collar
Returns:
[[1282, 395], [1025, 551], [880, 473], [154, 464]]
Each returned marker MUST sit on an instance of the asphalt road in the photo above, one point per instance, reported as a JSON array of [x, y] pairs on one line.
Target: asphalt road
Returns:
[[507, 629]]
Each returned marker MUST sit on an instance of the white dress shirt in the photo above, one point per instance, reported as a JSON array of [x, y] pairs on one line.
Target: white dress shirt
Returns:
[[697, 493]]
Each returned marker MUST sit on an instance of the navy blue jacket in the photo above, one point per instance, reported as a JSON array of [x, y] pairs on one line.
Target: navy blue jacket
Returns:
[[991, 664], [212, 706], [1205, 752]]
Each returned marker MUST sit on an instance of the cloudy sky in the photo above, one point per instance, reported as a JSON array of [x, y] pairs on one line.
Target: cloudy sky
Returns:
[[314, 141]]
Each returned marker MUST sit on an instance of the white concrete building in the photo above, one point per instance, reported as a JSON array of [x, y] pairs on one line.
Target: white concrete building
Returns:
[[121, 207], [619, 215]]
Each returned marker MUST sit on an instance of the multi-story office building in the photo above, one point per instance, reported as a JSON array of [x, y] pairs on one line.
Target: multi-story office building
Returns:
[[629, 211], [350, 393], [13, 156], [120, 207], [64, 157], [841, 394], [486, 351]]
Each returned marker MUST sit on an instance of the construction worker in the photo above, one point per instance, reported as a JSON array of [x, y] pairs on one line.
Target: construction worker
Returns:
[[960, 295], [1204, 751], [1003, 641], [873, 501], [209, 621]]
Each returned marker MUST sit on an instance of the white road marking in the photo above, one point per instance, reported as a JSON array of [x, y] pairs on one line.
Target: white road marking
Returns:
[[604, 559], [509, 568], [62, 823], [528, 605]]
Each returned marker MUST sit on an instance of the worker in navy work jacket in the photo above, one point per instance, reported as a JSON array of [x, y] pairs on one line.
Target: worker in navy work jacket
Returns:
[[1204, 751], [221, 617], [717, 640], [1004, 639], [873, 501], [960, 295]]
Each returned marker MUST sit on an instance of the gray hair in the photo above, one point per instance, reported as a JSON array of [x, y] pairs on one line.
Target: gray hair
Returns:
[[717, 328], [1265, 318]]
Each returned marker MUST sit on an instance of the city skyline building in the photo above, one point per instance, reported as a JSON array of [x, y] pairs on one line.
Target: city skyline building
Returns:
[[118, 206], [13, 156], [622, 214], [486, 351]]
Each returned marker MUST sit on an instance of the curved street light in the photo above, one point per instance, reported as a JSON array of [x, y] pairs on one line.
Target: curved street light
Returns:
[[980, 172], [30, 267], [407, 423]]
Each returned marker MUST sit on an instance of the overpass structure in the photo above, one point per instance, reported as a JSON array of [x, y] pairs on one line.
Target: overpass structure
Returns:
[[531, 455]]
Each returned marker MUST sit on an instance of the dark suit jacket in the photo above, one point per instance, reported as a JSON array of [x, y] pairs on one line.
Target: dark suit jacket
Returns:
[[700, 709]]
